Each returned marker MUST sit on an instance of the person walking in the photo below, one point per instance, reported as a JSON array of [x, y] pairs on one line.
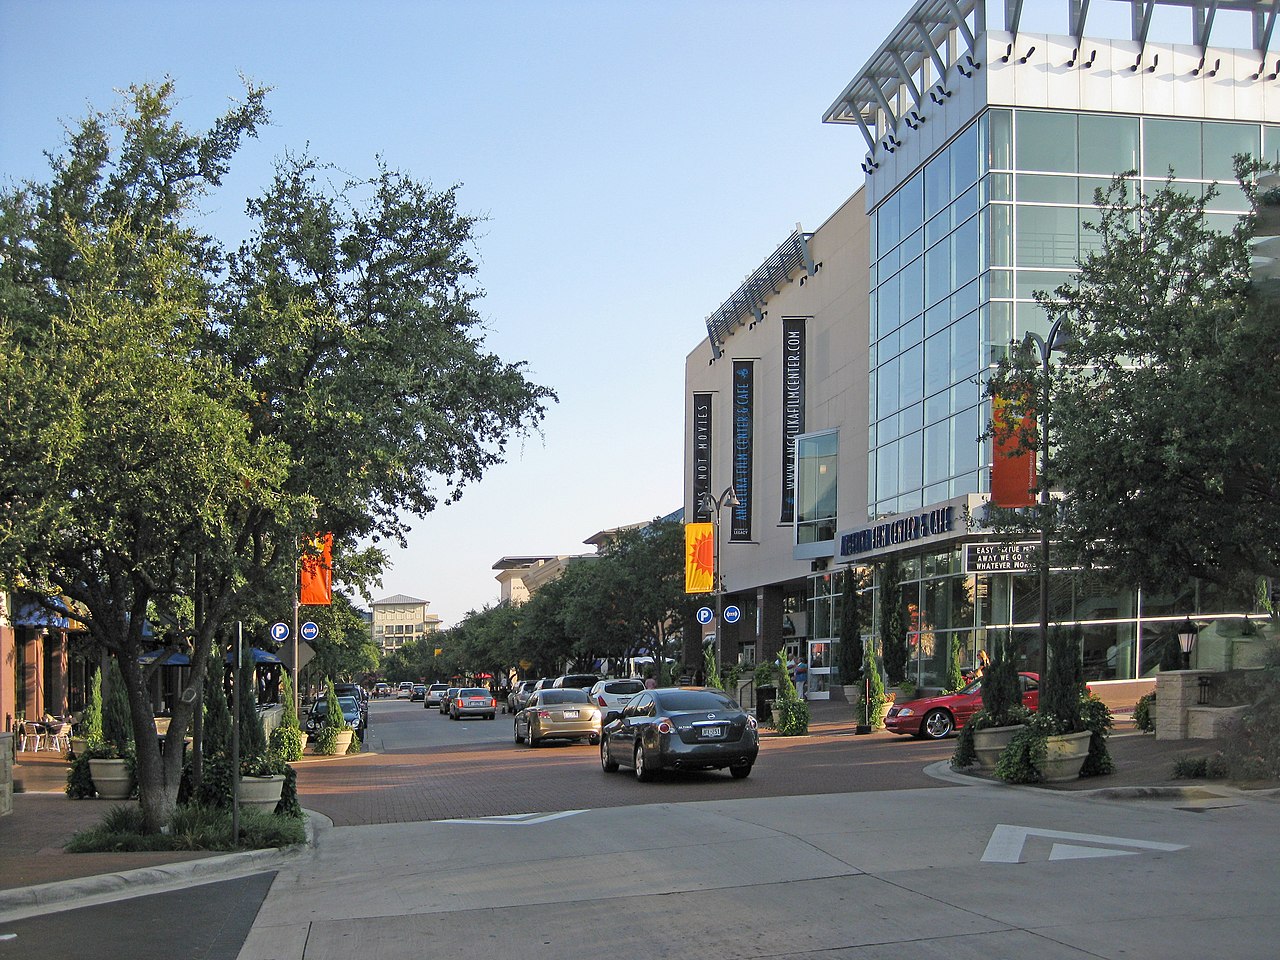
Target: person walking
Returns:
[[802, 676]]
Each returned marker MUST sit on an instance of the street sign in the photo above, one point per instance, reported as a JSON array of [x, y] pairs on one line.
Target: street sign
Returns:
[[308, 631], [732, 614], [705, 615], [279, 632]]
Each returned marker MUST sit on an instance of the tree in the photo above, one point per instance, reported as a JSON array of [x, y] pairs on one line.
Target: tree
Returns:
[[1165, 426], [851, 617], [893, 631], [344, 648], [180, 418]]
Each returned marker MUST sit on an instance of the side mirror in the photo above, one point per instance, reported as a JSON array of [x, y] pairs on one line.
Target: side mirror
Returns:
[[611, 716]]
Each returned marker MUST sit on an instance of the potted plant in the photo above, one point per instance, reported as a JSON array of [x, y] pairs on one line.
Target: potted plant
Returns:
[[850, 654], [873, 702], [334, 736], [90, 727], [287, 741], [1144, 713], [261, 782], [110, 761], [792, 713], [989, 730]]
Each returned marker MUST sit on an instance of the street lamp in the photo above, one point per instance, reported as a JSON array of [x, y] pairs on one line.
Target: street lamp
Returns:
[[713, 506], [1187, 633], [1057, 339]]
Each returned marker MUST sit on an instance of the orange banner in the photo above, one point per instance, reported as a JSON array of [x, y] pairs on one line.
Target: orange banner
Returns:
[[316, 576], [1013, 466], [699, 557]]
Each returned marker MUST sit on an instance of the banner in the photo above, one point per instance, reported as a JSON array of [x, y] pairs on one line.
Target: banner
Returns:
[[792, 409], [701, 454], [699, 557], [315, 582], [743, 447], [1013, 466]]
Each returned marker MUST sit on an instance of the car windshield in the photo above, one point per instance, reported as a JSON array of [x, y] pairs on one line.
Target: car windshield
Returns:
[[678, 700], [473, 692], [348, 703], [563, 696]]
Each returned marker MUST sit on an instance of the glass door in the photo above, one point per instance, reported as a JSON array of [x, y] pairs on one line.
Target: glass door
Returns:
[[818, 684]]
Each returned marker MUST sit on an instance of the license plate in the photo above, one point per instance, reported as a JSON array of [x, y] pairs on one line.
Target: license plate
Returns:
[[710, 733], [478, 703], [623, 701], [571, 714]]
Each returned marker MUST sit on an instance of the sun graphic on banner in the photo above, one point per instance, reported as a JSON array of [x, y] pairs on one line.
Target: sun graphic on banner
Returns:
[[699, 564]]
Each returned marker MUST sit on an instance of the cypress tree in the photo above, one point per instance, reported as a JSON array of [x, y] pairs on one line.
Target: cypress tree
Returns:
[[117, 724]]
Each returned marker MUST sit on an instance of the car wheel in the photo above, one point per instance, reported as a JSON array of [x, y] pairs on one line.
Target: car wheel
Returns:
[[533, 741], [607, 763], [937, 724], [516, 725], [643, 771], [741, 772]]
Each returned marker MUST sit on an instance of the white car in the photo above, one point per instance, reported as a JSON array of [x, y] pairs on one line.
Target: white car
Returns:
[[406, 690], [614, 694]]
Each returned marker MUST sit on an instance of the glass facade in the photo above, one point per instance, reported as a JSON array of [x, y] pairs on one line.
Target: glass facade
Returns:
[[961, 247], [817, 462]]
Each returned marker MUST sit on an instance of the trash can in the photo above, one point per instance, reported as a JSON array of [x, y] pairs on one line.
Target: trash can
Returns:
[[764, 702]]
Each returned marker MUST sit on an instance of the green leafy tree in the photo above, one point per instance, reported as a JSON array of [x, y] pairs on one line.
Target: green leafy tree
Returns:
[[91, 719], [253, 741], [179, 417], [893, 629], [851, 620], [217, 715], [954, 679], [287, 740], [1165, 426], [117, 726]]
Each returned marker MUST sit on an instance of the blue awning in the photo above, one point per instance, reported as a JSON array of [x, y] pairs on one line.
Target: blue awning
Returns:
[[175, 659]]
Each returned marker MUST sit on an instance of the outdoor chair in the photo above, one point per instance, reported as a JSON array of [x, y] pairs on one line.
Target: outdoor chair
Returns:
[[59, 736], [32, 735]]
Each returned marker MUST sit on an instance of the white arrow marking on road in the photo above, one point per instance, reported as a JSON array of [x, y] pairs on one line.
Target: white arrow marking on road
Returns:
[[519, 819], [1005, 845]]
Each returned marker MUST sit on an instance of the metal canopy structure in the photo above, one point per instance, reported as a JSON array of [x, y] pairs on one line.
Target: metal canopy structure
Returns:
[[748, 301], [936, 44]]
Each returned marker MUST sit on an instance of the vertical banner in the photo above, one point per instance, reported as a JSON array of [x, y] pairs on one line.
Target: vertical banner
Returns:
[[792, 409], [315, 584], [699, 557], [701, 457], [743, 447], [1013, 466]]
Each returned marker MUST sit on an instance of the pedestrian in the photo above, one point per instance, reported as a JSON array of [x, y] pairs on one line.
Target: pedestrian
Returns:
[[802, 676]]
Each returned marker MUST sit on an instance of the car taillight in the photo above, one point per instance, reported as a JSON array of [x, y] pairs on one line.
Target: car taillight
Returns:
[[493, 703], [600, 700], [544, 714], [665, 726]]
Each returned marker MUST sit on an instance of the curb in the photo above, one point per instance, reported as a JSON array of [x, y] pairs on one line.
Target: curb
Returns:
[[942, 770], [22, 902]]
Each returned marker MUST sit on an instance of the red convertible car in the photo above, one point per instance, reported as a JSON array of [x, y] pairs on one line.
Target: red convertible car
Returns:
[[936, 717]]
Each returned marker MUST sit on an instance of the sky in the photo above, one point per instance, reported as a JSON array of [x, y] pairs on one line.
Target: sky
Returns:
[[633, 163]]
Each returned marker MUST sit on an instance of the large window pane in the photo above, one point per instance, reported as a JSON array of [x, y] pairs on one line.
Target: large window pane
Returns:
[[911, 204], [964, 160], [1222, 141], [887, 387], [911, 284], [816, 490], [965, 339], [937, 272], [910, 452], [937, 363], [1000, 233], [1046, 141], [965, 445], [937, 452], [911, 376], [999, 139], [1048, 236], [1042, 188], [889, 225], [1171, 143], [890, 303], [1108, 145], [887, 471], [964, 246], [937, 185]]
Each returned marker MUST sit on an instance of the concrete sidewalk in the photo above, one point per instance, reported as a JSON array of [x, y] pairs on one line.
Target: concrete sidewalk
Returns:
[[44, 820]]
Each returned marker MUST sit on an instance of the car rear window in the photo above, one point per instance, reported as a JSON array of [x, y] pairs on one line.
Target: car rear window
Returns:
[[584, 680], [564, 696], [678, 700], [473, 692], [624, 687], [440, 686]]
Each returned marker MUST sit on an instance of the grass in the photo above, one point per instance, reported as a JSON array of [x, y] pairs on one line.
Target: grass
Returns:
[[193, 827]]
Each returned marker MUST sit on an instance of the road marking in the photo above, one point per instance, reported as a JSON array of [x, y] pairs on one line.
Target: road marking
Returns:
[[518, 819], [1006, 843]]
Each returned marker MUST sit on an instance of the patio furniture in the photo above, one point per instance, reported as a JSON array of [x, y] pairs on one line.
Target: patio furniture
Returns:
[[32, 736]]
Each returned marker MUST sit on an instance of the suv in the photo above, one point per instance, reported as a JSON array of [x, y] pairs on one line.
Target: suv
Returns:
[[612, 695], [405, 691], [360, 694], [435, 693], [575, 681]]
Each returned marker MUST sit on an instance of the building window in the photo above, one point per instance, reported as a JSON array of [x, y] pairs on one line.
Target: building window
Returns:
[[816, 462]]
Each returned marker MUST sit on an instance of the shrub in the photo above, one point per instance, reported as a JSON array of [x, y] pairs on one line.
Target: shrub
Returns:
[[1001, 690], [79, 779], [791, 716], [1142, 713], [954, 679], [287, 743], [117, 723], [91, 719]]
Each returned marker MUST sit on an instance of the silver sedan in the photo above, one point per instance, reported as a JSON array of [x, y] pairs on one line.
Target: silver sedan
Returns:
[[558, 715]]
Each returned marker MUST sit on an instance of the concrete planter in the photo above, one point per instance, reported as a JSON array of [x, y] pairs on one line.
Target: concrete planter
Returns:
[[1064, 756], [343, 743], [111, 779], [990, 742], [261, 793]]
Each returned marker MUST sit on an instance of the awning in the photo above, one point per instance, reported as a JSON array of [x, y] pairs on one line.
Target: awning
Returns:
[[175, 659]]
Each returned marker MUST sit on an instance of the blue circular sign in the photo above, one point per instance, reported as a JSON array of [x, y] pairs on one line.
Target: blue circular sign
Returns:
[[308, 631], [279, 632], [705, 615], [732, 614]]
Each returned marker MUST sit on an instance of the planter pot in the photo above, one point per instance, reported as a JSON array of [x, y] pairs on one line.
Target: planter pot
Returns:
[[343, 744], [78, 745], [111, 779], [852, 692], [990, 742], [1064, 756], [261, 793]]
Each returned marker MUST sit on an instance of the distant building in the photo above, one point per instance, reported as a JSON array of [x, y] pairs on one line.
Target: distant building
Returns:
[[399, 619]]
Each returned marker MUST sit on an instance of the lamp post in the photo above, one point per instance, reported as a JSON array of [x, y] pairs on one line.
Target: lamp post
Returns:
[[1187, 633], [1056, 339], [713, 506]]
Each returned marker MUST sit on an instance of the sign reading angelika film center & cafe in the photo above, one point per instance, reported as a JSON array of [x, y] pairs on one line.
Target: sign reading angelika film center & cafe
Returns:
[[938, 524]]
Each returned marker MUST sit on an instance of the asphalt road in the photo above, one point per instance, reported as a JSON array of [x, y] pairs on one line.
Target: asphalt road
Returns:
[[425, 766]]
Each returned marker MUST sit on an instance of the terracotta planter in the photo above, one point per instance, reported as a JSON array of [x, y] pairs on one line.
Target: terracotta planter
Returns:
[[111, 779], [261, 793], [990, 742], [1064, 756]]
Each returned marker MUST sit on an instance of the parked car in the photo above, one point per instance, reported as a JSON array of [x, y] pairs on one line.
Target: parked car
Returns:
[[519, 696], [614, 694], [580, 681], [350, 712], [680, 728], [435, 693], [360, 694], [558, 715], [473, 702], [419, 692], [449, 694], [381, 690], [933, 718], [405, 690]]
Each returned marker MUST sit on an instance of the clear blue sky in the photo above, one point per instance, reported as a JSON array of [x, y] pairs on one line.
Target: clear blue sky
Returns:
[[634, 162]]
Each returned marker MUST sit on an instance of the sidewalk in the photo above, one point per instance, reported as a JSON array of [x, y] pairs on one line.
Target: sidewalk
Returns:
[[43, 819]]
